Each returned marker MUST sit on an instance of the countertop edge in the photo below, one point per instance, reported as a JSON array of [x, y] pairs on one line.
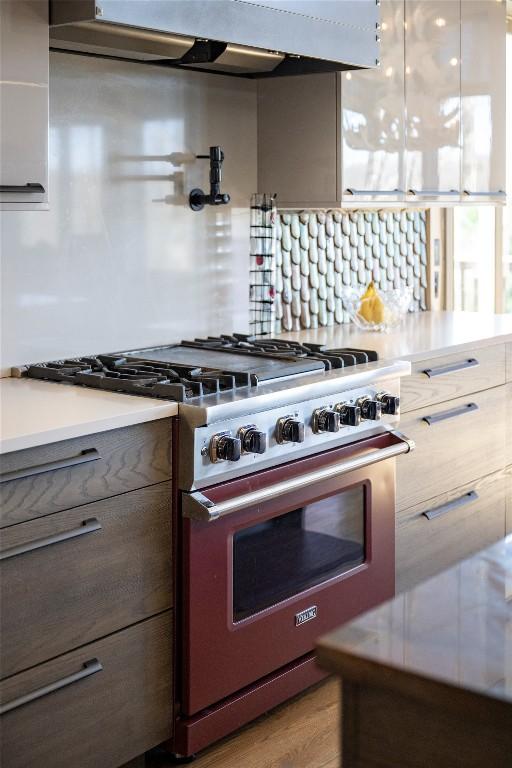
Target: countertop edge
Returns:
[[361, 670], [426, 328], [462, 347], [421, 335], [20, 443]]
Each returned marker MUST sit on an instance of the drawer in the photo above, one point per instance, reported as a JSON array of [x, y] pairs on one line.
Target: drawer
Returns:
[[75, 576], [509, 362], [459, 523], [456, 442], [39, 481], [445, 378], [104, 704]]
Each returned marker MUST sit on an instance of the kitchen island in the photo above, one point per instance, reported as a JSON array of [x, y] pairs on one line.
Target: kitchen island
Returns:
[[427, 676]]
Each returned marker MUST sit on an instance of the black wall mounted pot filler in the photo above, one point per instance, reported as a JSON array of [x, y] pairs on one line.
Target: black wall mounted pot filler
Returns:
[[197, 198]]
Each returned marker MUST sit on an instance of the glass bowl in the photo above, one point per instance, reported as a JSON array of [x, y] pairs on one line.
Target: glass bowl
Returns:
[[370, 315]]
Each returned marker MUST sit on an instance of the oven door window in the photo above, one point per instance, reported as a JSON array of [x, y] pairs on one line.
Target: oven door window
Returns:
[[284, 556]]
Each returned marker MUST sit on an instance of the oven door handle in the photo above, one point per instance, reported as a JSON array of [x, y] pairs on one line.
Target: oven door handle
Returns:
[[197, 506]]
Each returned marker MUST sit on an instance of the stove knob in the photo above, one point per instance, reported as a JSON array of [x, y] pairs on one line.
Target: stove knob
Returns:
[[371, 410], [390, 403], [326, 420], [290, 430], [253, 441], [225, 448], [350, 415]]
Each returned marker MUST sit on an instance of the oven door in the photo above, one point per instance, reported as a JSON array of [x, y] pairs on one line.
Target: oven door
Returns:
[[273, 560]]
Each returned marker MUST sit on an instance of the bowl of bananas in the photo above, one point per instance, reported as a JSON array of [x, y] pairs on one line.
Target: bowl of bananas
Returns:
[[374, 310]]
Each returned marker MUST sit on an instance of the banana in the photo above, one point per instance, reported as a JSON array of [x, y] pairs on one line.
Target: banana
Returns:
[[372, 308]]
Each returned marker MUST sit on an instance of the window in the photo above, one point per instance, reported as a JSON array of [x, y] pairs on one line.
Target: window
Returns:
[[479, 241], [507, 255], [474, 258]]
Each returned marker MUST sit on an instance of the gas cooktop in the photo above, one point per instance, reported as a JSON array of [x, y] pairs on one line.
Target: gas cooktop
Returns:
[[194, 369]]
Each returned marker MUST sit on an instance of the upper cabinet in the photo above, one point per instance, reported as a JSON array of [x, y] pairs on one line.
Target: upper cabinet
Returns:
[[427, 126], [432, 99], [24, 104], [298, 136], [373, 121], [483, 99]]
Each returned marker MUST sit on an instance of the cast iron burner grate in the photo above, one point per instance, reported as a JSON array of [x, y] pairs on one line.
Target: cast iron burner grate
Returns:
[[283, 348], [139, 377], [156, 372]]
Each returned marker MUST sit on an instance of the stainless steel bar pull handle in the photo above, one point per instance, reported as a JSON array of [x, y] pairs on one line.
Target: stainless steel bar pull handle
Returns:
[[88, 526], [451, 413], [30, 187], [375, 192], [88, 668], [91, 454], [467, 498], [434, 192], [442, 370], [198, 507], [497, 193]]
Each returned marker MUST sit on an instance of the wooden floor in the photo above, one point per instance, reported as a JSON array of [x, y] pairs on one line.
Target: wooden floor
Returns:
[[300, 734]]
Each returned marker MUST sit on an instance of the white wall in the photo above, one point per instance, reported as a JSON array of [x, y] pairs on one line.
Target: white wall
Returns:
[[120, 260]]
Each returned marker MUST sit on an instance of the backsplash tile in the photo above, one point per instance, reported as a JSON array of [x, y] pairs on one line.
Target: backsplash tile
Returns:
[[319, 253]]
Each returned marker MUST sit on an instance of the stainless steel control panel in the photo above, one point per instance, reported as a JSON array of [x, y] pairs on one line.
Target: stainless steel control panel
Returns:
[[207, 466]]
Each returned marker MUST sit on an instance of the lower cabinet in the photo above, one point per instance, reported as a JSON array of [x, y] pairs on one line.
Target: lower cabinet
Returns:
[[70, 578], [96, 707], [438, 379], [456, 442], [435, 534], [86, 596], [454, 491]]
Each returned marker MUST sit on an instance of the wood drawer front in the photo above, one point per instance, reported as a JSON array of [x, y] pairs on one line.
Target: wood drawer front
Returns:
[[89, 468], [453, 376], [466, 443], [64, 594], [103, 719], [462, 522]]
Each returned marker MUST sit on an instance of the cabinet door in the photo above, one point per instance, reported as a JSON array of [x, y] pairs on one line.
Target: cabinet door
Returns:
[[435, 534], [432, 99], [483, 71], [298, 139], [372, 119], [24, 100], [95, 707]]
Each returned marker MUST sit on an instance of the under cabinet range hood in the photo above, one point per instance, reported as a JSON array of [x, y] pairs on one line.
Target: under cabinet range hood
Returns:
[[255, 38]]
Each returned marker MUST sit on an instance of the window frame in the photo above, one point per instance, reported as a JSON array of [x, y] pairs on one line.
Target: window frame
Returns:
[[499, 305], [449, 228]]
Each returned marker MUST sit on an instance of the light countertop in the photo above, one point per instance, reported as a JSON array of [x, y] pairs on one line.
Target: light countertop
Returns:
[[455, 629], [421, 334], [40, 412]]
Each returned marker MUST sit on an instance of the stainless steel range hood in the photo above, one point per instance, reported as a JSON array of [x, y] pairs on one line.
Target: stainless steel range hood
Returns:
[[241, 37]]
